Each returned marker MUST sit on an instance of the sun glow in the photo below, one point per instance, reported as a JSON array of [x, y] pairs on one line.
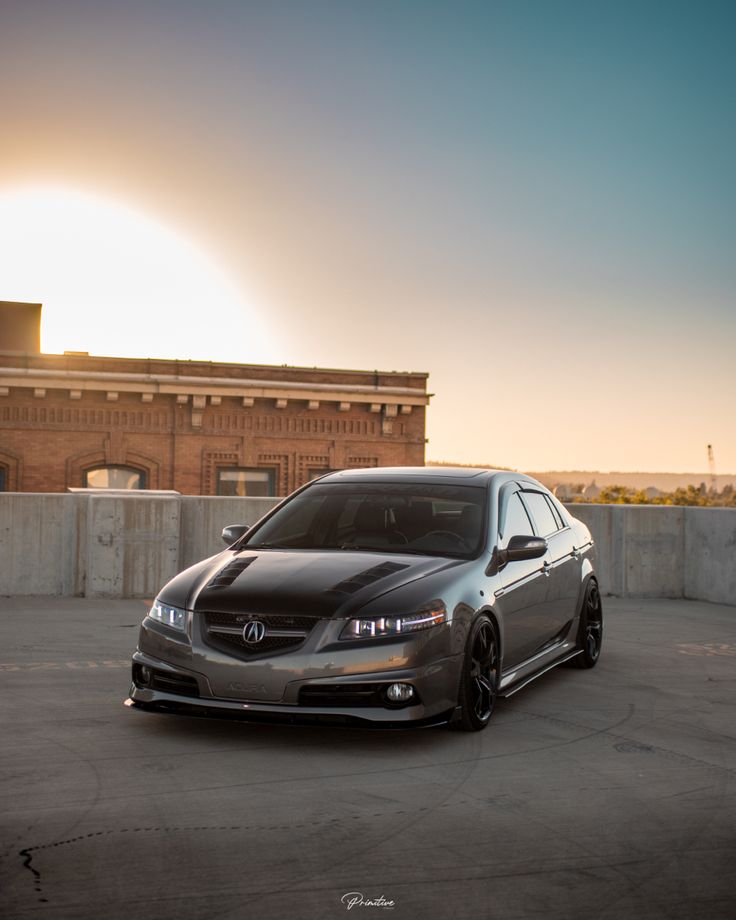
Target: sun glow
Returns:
[[113, 281]]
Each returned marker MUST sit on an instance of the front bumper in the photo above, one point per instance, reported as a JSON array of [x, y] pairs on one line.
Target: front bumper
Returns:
[[435, 683]]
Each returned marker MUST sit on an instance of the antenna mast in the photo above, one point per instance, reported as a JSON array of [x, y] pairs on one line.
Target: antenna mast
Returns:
[[712, 468]]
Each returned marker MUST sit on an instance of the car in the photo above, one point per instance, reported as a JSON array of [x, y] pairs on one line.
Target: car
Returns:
[[382, 597]]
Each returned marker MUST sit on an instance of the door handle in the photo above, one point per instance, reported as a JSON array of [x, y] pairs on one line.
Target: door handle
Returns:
[[546, 569], [575, 553]]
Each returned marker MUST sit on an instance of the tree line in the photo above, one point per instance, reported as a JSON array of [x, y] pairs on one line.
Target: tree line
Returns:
[[689, 495]]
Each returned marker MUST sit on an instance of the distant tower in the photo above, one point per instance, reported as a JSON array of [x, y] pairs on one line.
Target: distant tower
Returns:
[[20, 327], [712, 468]]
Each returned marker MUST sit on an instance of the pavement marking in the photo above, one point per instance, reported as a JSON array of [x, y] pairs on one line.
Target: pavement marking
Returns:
[[64, 665], [707, 648]]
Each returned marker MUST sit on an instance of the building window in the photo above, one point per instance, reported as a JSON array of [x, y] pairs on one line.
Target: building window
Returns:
[[315, 472], [246, 482], [114, 477], [3, 479]]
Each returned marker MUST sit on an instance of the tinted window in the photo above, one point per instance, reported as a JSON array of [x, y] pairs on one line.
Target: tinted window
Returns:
[[516, 521], [541, 513], [556, 511], [426, 519]]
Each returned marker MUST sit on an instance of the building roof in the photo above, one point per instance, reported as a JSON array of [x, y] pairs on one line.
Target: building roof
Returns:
[[78, 372]]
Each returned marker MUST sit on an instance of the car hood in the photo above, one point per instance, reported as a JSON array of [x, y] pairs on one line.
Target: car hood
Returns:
[[310, 582]]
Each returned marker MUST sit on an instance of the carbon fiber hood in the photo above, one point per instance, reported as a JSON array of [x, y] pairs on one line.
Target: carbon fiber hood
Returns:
[[325, 584]]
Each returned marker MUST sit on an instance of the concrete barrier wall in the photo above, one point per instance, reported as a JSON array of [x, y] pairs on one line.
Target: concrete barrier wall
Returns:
[[110, 545], [641, 548], [204, 516], [131, 544], [38, 544], [710, 554], [105, 545], [664, 551]]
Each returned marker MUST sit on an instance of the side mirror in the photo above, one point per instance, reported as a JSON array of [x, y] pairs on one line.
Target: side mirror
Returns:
[[524, 548], [234, 532], [519, 548]]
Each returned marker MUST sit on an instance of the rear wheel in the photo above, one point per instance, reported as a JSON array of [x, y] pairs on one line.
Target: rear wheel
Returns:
[[479, 680], [590, 633]]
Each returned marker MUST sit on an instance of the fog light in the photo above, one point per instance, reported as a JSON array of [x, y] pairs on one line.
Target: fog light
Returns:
[[144, 675], [399, 693]]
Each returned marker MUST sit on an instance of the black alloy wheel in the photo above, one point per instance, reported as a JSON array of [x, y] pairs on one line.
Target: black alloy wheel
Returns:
[[479, 681], [590, 634]]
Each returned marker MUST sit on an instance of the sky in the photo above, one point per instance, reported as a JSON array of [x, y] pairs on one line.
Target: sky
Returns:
[[532, 201]]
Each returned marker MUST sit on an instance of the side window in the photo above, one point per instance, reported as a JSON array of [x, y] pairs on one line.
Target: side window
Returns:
[[556, 511], [515, 521], [541, 513]]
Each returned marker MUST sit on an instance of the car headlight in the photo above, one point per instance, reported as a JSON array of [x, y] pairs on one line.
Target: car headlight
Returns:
[[433, 614], [174, 617]]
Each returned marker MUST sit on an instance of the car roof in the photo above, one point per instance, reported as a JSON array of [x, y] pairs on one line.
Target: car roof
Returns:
[[447, 475]]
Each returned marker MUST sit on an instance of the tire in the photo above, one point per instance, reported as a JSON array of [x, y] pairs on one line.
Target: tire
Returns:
[[479, 678], [590, 632]]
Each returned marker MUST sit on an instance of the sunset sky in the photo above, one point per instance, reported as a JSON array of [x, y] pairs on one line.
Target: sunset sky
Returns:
[[535, 202]]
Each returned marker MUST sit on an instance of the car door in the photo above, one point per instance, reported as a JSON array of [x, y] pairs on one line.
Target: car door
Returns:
[[522, 598], [563, 566]]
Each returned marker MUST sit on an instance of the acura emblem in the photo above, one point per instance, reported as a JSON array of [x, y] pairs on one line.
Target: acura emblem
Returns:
[[254, 632]]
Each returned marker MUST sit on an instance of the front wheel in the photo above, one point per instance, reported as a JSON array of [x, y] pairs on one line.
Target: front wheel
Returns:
[[479, 679], [590, 634]]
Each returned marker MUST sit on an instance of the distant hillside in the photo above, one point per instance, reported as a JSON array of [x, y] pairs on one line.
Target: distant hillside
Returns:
[[666, 482]]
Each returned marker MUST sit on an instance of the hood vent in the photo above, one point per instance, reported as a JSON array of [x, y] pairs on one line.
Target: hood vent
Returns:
[[231, 571], [368, 577]]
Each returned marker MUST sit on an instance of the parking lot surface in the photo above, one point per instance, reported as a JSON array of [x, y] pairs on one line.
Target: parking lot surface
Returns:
[[604, 794]]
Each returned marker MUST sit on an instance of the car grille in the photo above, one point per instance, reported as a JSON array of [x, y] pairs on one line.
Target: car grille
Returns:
[[284, 633]]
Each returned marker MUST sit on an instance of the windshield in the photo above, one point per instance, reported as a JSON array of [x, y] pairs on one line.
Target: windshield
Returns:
[[422, 518]]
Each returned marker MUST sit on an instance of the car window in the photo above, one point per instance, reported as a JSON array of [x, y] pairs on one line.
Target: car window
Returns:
[[301, 520], [541, 513], [555, 512], [515, 521], [423, 518], [559, 510]]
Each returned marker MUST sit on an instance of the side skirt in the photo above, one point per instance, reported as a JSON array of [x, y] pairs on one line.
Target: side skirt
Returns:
[[514, 688]]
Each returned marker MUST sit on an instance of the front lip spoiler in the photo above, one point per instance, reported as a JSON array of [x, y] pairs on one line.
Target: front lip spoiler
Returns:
[[335, 719]]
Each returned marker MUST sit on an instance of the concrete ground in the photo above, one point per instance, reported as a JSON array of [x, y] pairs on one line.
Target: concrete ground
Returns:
[[593, 794]]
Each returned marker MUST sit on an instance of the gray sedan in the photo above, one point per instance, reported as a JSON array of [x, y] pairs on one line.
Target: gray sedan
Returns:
[[378, 597]]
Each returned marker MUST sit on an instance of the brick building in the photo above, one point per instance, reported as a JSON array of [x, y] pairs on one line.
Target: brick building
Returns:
[[199, 427]]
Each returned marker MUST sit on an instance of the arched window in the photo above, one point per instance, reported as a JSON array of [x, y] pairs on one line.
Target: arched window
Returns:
[[9, 472], [114, 477]]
